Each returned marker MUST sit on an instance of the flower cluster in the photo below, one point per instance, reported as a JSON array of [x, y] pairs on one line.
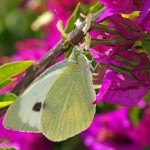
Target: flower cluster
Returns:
[[114, 130], [122, 51]]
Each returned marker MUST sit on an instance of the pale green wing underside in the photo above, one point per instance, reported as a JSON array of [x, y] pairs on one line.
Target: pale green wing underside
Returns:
[[68, 108], [20, 115]]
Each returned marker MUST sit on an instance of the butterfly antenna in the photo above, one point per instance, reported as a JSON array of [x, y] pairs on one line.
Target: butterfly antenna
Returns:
[[55, 12], [62, 24]]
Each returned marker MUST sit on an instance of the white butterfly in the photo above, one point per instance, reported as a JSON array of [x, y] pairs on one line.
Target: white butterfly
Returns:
[[58, 103]]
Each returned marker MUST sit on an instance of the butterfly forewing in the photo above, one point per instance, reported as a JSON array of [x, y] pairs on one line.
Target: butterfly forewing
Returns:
[[25, 113]]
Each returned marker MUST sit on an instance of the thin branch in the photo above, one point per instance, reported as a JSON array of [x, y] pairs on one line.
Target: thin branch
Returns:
[[76, 35], [104, 28], [111, 41]]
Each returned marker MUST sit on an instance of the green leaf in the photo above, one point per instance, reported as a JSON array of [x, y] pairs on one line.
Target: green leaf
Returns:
[[12, 69], [87, 42], [147, 97], [74, 143], [72, 19], [8, 149], [5, 83], [6, 99], [135, 115], [146, 45], [88, 24], [146, 148], [61, 29], [97, 6]]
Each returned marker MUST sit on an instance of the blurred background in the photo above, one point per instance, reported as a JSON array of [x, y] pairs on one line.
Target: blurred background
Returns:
[[27, 31]]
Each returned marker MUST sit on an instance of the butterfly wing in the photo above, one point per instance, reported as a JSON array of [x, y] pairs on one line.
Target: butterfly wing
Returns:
[[68, 107], [24, 114]]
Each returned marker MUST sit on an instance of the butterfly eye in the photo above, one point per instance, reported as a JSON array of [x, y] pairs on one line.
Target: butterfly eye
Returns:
[[37, 106]]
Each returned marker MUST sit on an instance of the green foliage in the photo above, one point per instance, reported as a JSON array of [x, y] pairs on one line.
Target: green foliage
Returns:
[[135, 114], [6, 99], [61, 29], [8, 149], [97, 6], [5, 83], [72, 19], [80, 8], [147, 97], [7, 71], [87, 41], [12, 20], [74, 143], [75, 15], [105, 107], [146, 45], [88, 23], [70, 25], [132, 15], [146, 148]]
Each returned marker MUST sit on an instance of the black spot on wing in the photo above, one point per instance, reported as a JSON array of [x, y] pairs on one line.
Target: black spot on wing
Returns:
[[37, 106]]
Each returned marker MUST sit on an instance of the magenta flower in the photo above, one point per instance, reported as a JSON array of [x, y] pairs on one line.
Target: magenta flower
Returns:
[[126, 80], [142, 70], [30, 49], [22, 140], [102, 53], [110, 131], [121, 89], [119, 6], [144, 18], [127, 7], [126, 27]]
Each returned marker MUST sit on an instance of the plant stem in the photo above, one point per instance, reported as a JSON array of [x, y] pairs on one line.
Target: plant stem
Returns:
[[112, 41], [104, 28]]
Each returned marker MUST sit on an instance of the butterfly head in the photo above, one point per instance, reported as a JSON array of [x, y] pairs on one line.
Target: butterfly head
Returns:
[[78, 56], [77, 52]]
